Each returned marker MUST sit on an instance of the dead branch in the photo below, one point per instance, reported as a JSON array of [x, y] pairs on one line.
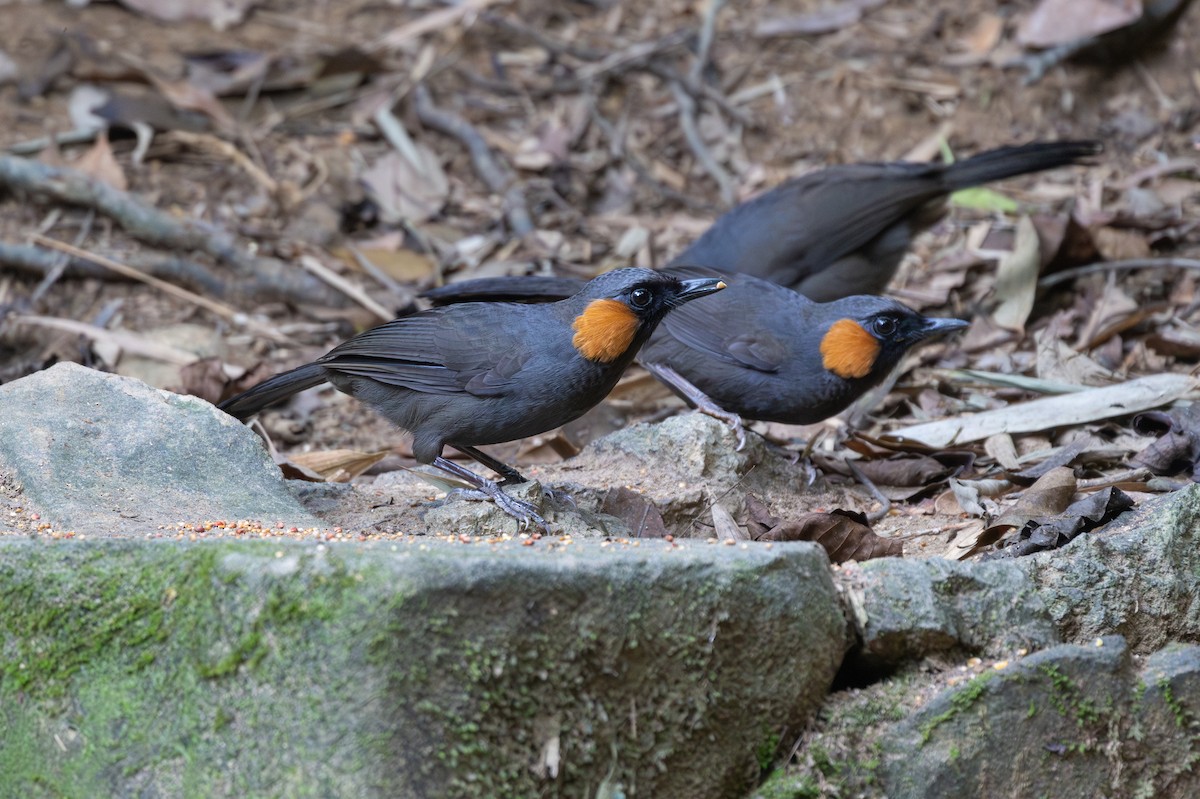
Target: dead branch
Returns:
[[691, 132], [618, 149], [270, 279], [1119, 266], [497, 176]]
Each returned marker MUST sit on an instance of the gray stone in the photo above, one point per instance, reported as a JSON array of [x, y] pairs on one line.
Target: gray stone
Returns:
[[1073, 720], [1139, 576], [1043, 726], [694, 462], [411, 669], [101, 453], [908, 609]]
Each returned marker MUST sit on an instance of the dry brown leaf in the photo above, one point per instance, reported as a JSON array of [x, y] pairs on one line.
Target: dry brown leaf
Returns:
[[407, 191], [1113, 305], [640, 515], [1058, 362], [843, 535], [337, 465], [1049, 496], [984, 35], [905, 470], [1016, 279], [407, 266], [100, 163]]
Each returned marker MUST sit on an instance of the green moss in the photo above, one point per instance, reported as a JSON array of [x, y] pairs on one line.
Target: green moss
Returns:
[[1068, 699], [765, 753], [131, 635], [962, 700], [1177, 710]]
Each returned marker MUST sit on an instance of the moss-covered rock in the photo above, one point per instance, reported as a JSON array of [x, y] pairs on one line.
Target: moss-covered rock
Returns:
[[412, 669]]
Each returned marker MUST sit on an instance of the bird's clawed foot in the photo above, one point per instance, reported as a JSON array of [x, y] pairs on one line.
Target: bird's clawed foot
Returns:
[[559, 498], [732, 419], [526, 513]]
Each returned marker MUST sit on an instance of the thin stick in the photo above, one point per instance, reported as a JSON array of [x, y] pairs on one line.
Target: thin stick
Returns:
[[707, 29], [219, 147], [220, 309], [1119, 266], [885, 504], [345, 286], [498, 177], [691, 131], [124, 339]]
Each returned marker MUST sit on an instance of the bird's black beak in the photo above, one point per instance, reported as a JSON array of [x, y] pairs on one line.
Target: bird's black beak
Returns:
[[697, 288], [936, 326]]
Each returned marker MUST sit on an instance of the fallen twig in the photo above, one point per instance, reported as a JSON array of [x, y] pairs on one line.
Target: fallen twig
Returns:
[[691, 132], [345, 286], [704, 48], [220, 309], [1119, 266], [497, 176], [433, 21], [132, 343], [271, 279]]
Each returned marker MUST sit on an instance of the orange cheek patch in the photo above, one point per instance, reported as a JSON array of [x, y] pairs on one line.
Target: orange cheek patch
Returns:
[[604, 331], [849, 351]]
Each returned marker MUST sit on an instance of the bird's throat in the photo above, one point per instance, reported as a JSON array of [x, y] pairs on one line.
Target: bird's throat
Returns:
[[605, 330], [848, 350]]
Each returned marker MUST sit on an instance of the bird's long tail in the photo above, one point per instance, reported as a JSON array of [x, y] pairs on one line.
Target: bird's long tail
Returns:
[[1007, 162], [273, 390], [533, 288]]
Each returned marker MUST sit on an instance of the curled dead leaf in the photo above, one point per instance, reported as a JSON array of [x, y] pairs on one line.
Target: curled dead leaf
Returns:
[[844, 535], [337, 465]]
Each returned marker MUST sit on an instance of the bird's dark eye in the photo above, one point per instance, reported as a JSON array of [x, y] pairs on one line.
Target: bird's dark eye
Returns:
[[640, 298], [883, 326]]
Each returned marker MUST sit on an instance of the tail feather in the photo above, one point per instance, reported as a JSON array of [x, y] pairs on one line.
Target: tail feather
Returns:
[[273, 390], [511, 288], [1007, 162]]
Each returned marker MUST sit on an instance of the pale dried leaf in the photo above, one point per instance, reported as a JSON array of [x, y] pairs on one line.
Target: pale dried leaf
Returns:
[[1058, 362], [726, 528], [407, 191], [967, 496], [221, 14], [1002, 449], [1016, 279], [1107, 402], [338, 465], [1061, 21]]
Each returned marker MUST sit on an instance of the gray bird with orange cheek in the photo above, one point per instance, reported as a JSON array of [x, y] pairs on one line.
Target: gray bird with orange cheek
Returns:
[[758, 350], [484, 372]]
